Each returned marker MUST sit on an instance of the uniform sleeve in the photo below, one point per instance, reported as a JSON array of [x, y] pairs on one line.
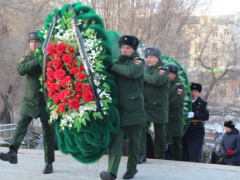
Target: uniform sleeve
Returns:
[[156, 79], [131, 71], [177, 98], [204, 115], [24, 67], [237, 150]]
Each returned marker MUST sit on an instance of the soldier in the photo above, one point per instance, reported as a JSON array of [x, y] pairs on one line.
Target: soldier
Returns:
[[174, 127], [194, 136], [156, 83], [33, 105], [129, 69]]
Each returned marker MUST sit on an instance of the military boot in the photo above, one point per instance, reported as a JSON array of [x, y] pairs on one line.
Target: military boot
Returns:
[[107, 176], [48, 168], [129, 175], [11, 156], [142, 158]]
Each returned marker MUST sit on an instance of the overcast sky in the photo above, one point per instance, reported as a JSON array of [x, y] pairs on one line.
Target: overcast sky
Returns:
[[225, 5]]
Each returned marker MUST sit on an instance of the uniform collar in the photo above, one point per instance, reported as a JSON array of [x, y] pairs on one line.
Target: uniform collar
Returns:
[[193, 101], [175, 80], [125, 58]]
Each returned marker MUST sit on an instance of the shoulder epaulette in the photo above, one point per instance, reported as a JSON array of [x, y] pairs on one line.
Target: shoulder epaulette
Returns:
[[136, 58], [177, 84], [159, 67]]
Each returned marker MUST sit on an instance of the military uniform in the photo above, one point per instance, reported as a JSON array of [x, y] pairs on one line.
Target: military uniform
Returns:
[[156, 83], [174, 127]]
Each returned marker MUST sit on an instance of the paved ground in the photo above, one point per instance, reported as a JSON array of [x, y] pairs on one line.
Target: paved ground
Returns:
[[30, 165]]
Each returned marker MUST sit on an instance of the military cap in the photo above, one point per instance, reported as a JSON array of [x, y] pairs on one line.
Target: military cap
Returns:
[[229, 124], [33, 35], [129, 40], [172, 68], [196, 86], [153, 51]]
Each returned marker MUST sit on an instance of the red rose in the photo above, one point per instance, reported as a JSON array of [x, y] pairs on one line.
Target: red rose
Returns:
[[49, 74], [82, 67], [88, 96], [75, 63], [77, 96], [52, 55], [58, 54], [81, 76], [66, 81], [230, 152], [74, 71], [62, 107], [63, 96], [61, 47], [59, 74], [71, 48], [50, 94], [69, 92], [50, 48], [70, 66], [49, 64], [74, 103], [51, 87], [67, 58], [48, 82], [57, 86], [87, 88], [79, 86], [58, 111], [56, 98], [57, 64]]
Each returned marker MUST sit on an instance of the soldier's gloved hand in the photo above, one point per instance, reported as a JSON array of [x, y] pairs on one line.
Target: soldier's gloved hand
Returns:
[[190, 115], [109, 68]]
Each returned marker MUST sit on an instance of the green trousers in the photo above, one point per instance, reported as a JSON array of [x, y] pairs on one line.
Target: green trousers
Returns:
[[160, 140], [177, 148], [48, 137], [115, 149]]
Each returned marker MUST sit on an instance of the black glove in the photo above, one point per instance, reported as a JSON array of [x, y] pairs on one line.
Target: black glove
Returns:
[[109, 68]]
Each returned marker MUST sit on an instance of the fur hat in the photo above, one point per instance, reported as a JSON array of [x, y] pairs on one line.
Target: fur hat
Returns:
[[172, 68], [129, 40], [153, 51], [33, 35], [196, 86], [229, 124]]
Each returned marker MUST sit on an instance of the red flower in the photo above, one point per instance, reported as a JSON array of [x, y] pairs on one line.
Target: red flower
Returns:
[[230, 152], [61, 47], [58, 111], [69, 66], [58, 54], [88, 96], [82, 67], [69, 92], [57, 64], [50, 48], [56, 98], [79, 86], [67, 58], [66, 81], [59, 74], [48, 82], [51, 87], [81, 76], [49, 74], [49, 64], [87, 88], [63, 96], [71, 48], [52, 55], [75, 63], [74, 103], [57, 86], [77, 96], [50, 94], [62, 107], [74, 71]]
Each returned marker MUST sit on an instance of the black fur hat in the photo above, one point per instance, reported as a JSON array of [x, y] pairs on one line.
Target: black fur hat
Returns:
[[33, 35], [153, 51], [172, 68], [229, 124], [129, 40], [196, 86]]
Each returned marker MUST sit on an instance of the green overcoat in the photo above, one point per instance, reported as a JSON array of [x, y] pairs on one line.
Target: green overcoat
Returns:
[[130, 88], [174, 126], [156, 82], [33, 103]]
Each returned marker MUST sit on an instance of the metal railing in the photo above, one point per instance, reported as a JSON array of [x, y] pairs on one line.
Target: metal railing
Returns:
[[10, 129]]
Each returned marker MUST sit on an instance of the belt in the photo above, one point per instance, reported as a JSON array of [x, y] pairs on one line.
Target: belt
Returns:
[[195, 121]]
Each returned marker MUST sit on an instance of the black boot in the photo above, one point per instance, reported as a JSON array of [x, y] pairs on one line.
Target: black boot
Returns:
[[48, 168], [11, 156], [107, 176], [142, 158], [129, 175]]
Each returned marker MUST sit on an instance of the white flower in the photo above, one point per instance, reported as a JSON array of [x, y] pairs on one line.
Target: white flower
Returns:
[[98, 90], [70, 125], [57, 27], [61, 30], [64, 121]]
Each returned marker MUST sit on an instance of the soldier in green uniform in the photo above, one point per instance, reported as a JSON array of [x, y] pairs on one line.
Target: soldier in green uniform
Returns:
[[129, 69], [156, 83], [33, 105], [174, 127]]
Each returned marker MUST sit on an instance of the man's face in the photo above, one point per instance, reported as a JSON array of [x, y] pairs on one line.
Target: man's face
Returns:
[[152, 60], [172, 76], [227, 129], [127, 50], [219, 145], [194, 94], [34, 44]]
